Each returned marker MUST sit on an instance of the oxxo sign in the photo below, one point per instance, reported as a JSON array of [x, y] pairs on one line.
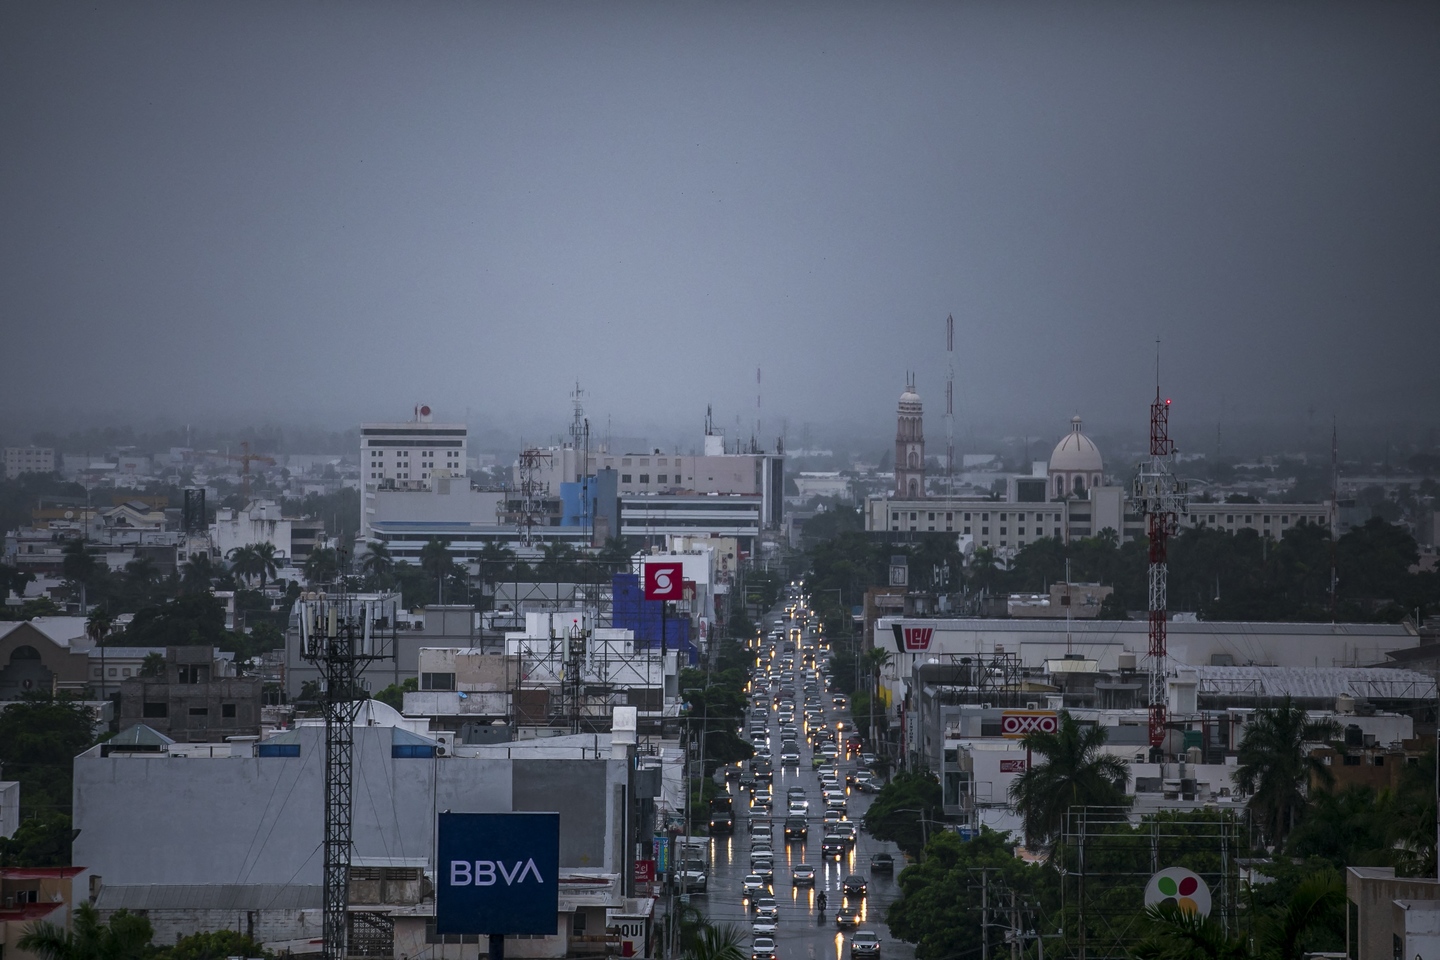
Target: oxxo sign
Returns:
[[498, 873], [1017, 723]]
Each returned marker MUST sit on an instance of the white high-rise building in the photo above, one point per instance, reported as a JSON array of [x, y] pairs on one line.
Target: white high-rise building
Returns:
[[411, 455]]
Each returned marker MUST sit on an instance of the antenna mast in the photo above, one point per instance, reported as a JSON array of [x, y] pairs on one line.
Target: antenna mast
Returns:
[[1335, 511], [1161, 497], [341, 636], [950, 406]]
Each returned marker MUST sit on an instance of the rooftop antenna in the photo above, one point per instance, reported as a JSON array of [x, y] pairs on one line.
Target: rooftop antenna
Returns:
[[950, 406], [754, 436]]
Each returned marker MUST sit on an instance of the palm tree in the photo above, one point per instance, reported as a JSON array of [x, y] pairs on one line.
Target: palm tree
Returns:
[[268, 566], [322, 565], [714, 942], [1275, 767], [378, 564], [244, 562], [1069, 771], [98, 625], [436, 560], [1282, 932], [196, 574], [126, 937]]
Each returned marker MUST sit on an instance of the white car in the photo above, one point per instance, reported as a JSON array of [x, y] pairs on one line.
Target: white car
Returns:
[[766, 922], [763, 948], [798, 808]]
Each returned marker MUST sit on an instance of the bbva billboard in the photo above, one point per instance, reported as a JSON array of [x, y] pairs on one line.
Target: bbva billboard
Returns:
[[497, 873]]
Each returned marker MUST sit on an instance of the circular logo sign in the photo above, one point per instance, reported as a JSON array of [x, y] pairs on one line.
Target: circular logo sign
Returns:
[[1181, 888]]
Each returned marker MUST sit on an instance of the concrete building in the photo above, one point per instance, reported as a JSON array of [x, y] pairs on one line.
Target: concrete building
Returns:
[[831, 484], [263, 870], [30, 895], [196, 698], [9, 808], [47, 653], [409, 455], [651, 519], [1067, 498], [259, 521], [20, 460], [1388, 916]]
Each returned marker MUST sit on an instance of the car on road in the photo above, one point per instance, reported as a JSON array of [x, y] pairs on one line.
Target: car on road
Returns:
[[752, 886], [846, 829], [865, 943], [847, 917], [868, 785], [868, 759], [764, 868], [855, 885], [796, 828], [802, 875], [833, 816], [839, 701], [790, 758], [833, 846], [721, 823], [762, 948], [882, 863]]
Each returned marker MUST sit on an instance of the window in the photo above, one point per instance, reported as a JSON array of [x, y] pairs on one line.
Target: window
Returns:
[[932, 516], [1230, 518], [126, 671], [1002, 529], [199, 711], [227, 710], [155, 711], [1379, 761], [1352, 761], [1002, 518], [966, 530], [985, 531], [985, 516], [578, 927], [437, 681], [663, 478], [114, 672], [967, 516], [1020, 531], [624, 478], [644, 478]]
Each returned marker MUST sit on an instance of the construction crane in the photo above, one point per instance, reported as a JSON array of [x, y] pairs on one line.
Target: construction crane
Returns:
[[246, 458], [1161, 497]]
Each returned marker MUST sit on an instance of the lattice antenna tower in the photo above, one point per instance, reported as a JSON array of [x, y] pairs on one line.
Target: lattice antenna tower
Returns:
[[577, 421], [950, 406], [532, 493], [341, 636], [1161, 497]]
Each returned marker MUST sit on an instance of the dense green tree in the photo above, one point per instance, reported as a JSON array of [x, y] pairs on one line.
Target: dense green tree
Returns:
[[394, 694], [40, 735], [12, 580], [184, 621], [906, 811], [212, 945], [40, 841], [1351, 827], [126, 936], [1274, 767], [939, 907], [1068, 769]]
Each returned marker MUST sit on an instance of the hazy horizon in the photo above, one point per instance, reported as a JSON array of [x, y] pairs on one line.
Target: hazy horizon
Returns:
[[325, 213]]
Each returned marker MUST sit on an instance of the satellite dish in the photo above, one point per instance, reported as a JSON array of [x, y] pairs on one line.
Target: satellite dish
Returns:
[[69, 514], [1181, 888]]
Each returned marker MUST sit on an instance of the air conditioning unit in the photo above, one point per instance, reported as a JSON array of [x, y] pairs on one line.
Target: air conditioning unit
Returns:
[[1032, 705], [445, 744]]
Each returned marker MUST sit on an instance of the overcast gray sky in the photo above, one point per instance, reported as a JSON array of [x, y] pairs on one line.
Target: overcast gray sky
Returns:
[[335, 210]]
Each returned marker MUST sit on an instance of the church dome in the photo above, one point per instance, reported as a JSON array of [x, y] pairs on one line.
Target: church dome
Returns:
[[910, 401], [1076, 453]]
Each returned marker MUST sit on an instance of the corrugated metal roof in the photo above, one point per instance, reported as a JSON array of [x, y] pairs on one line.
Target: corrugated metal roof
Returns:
[[216, 896], [1363, 683]]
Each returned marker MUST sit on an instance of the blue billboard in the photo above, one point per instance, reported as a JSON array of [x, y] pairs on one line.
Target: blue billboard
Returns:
[[497, 873]]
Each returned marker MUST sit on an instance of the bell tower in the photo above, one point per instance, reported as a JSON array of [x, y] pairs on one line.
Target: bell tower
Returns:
[[910, 445]]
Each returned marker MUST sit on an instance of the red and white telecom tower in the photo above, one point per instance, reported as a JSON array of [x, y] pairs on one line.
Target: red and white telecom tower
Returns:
[[1161, 497]]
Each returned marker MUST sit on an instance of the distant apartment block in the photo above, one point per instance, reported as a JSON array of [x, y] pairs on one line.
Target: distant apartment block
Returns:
[[408, 455], [20, 460], [195, 698]]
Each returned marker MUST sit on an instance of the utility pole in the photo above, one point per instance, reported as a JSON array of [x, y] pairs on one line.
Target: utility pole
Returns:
[[985, 913]]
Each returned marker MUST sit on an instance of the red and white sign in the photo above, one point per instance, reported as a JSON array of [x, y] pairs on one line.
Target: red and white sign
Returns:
[[1017, 723], [632, 935], [644, 871], [914, 639], [664, 581], [1012, 766]]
